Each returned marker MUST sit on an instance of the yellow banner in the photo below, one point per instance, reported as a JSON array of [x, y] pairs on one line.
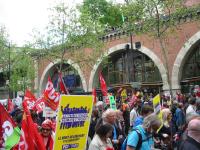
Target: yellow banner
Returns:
[[157, 108], [73, 122]]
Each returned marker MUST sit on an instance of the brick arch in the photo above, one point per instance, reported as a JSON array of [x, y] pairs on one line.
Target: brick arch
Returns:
[[144, 50], [45, 73], [181, 58]]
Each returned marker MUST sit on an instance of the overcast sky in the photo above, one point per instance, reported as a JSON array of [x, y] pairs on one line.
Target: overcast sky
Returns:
[[20, 17]]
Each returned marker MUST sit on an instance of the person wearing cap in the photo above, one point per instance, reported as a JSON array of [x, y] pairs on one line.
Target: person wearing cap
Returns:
[[47, 134]]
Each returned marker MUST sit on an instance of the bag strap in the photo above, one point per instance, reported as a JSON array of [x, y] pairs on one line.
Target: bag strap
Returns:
[[139, 144]]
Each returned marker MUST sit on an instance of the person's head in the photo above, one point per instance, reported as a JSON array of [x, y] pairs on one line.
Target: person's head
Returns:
[[47, 127], [192, 101], [194, 129], [146, 110], [95, 113], [180, 105], [151, 123], [166, 116], [109, 116], [104, 131], [119, 114], [191, 116]]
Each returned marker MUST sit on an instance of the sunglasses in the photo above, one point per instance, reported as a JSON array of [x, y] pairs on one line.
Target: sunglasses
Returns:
[[44, 129]]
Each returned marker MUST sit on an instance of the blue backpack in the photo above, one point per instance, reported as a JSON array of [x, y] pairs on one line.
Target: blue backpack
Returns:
[[139, 144]]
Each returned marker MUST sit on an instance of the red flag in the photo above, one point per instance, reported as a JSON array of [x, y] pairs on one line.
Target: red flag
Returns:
[[51, 96], [10, 106], [63, 88], [29, 98], [104, 88], [39, 104], [32, 138], [94, 93]]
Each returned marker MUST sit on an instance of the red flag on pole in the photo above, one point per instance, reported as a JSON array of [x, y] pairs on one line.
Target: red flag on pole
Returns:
[[104, 89], [29, 98], [94, 93], [39, 104], [10, 105], [63, 88], [31, 136], [51, 96]]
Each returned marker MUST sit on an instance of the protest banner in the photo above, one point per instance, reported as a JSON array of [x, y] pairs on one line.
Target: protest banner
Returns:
[[48, 112], [112, 102], [123, 95], [157, 108], [73, 122]]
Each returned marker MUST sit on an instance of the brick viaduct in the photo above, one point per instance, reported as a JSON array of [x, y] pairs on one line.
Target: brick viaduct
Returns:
[[179, 45]]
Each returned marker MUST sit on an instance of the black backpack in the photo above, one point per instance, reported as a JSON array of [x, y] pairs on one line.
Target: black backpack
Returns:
[[139, 144]]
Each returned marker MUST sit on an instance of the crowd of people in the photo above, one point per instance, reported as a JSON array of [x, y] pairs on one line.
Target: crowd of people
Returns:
[[134, 124]]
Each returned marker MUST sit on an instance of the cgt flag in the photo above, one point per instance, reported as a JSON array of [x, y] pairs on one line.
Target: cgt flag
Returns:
[[30, 99], [9, 132], [51, 97]]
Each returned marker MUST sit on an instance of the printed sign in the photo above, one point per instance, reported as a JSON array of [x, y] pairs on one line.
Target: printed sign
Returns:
[[123, 95], [157, 108], [73, 122], [48, 112], [112, 103]]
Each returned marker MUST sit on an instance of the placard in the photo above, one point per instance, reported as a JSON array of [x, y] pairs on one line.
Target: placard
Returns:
[[73, 122]]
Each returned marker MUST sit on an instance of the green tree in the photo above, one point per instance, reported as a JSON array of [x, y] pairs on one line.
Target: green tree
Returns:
[[69, 33], [23, 72], [106, 14], [156, 18]]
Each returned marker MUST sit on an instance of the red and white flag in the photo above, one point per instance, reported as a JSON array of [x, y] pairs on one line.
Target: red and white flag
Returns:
[[9, 131], [30, 99], [63, 89], [39, 104], [51, 97], [29, 132]]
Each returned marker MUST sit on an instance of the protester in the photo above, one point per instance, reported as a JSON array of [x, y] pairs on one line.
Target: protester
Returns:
[[146, 110], [180, 117], [133, 114], [193, 136], [101, 140], [167, 131], [192, 106], [47, 134], [118, 136], [93, 122], [150, 126]]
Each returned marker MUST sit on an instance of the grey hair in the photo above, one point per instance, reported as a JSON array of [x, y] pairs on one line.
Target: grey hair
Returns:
[[191, 116], [107, 112], [151, 120]]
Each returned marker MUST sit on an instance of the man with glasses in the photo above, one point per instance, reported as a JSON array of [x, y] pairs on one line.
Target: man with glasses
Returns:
[[47, 134]]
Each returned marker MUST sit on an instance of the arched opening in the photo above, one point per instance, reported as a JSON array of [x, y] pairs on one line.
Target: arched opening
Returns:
[[132, 68], [72, 76], [190, 75]]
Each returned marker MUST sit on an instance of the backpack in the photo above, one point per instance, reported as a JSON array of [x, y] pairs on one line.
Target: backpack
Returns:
[[139, 144]]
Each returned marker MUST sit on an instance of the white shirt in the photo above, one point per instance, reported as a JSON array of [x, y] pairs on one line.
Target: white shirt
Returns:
[[133, 116], [191, 110]]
